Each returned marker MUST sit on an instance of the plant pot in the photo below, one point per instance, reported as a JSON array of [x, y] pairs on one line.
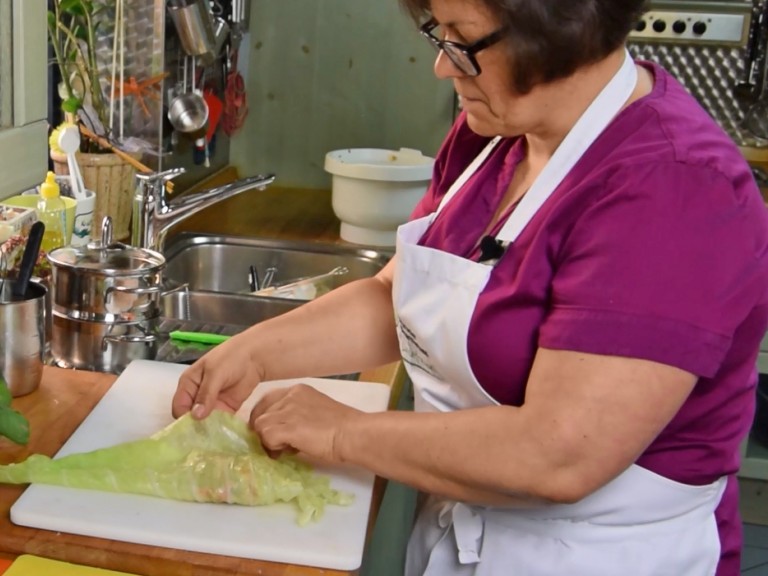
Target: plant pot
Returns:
[[112, 179]]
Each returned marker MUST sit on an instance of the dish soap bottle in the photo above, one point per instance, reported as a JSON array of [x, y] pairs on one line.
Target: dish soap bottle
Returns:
[[51, 211]]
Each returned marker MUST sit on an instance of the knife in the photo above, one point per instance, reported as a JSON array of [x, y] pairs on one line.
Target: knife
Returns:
[[201, 337]]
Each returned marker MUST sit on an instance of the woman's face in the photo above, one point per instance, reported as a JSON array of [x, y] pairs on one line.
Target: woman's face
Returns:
[[492, 105]]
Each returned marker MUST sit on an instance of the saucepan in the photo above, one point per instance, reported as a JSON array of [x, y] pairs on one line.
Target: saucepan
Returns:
[[106, 303], [106, 281], [188, 111]]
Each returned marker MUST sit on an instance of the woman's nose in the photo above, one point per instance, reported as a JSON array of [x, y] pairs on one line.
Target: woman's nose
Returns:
[[445, 68]]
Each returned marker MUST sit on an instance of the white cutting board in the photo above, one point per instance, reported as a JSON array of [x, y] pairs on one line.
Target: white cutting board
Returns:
[[137, 405]]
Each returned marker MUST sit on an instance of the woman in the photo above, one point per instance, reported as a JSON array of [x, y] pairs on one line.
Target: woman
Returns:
[[579, 300]]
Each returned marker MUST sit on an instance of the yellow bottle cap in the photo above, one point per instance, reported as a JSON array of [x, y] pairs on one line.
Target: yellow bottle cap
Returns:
[[50, 188]]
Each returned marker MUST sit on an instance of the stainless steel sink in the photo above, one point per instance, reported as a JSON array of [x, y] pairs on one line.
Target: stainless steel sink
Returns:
[[222, 263], [211, 312], [218, 308], [214, 270]]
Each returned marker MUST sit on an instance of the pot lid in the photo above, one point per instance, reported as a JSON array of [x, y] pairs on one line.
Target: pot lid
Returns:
[[107, 256]]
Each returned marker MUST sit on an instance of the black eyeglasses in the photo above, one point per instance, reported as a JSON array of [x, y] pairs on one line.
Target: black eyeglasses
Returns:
[[461, 55]]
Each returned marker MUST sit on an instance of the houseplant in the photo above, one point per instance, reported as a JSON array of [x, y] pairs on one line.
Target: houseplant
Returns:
[[72, 36], [73, 30]]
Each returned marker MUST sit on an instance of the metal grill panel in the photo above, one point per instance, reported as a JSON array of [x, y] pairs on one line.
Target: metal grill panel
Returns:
[[710, 72]]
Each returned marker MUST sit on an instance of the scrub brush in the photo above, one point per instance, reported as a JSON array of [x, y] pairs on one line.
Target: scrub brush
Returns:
[[53, 139]]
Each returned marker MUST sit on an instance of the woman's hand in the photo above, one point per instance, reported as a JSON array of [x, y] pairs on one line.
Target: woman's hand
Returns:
[[312, 339], [222, 379], [300, 418]]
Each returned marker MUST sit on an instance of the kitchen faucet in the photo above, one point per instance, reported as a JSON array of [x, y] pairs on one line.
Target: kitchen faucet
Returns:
[[153, 214]]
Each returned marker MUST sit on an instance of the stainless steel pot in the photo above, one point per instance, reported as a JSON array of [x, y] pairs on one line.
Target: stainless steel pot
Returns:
[[106, 281], [105, 303], [102, 346]]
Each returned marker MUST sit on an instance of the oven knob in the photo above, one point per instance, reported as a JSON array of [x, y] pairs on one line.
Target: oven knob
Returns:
[[640, 26], [699, 28], [678, 27], [659, 25]]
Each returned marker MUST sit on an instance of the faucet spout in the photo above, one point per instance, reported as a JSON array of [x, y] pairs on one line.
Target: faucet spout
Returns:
[[154, 215]]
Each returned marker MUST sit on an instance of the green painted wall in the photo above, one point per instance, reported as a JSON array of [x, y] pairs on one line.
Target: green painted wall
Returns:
[[328, 74]]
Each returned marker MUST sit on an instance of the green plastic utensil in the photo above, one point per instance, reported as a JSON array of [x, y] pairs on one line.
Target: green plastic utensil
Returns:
[[201, 337]]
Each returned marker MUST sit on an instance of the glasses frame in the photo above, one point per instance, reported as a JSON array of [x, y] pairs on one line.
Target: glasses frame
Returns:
[[468, 50]]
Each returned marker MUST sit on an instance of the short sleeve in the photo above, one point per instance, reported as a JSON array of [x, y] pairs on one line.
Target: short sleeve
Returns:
[[661, 265]]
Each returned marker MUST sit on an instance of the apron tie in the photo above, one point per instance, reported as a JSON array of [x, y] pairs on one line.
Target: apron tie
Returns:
[[467, 529]]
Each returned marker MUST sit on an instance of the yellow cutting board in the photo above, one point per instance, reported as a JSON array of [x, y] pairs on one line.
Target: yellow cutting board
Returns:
[[28, 565]]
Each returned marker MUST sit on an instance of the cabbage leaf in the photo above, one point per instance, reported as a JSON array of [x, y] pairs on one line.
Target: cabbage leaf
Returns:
[[218, 459]]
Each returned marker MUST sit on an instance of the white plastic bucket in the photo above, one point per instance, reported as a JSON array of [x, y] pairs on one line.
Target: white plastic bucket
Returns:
[[375, 190]]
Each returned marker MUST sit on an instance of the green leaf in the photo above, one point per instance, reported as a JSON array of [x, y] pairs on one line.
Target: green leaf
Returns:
[[13, 425], [71, 105], [5, 394], [75, 7], [51, 19], [80, 32]]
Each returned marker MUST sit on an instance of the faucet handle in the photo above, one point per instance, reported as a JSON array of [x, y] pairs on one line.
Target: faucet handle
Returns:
[[155, 182], [164, 176]]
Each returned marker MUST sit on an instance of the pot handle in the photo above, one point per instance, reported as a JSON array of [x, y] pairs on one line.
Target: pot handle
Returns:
[[129, 290], [136, 339], [111, 290]]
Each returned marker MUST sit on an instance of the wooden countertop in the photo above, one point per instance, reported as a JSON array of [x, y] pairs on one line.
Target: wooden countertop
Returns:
[[275, 212], [63, 400], [65, 397]]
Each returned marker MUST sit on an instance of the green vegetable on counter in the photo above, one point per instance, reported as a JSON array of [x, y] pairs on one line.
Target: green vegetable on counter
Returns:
[[13, 425], [218, 459]]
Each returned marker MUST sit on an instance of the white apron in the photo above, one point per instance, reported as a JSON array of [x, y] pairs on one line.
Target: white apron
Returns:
[[640, 524]]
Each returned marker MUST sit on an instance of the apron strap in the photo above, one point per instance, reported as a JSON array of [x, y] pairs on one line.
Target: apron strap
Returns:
[[468, 527], [471, 169], [588, 127]]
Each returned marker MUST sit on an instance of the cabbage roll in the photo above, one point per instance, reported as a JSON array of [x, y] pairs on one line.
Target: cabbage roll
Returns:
[[218, 459]]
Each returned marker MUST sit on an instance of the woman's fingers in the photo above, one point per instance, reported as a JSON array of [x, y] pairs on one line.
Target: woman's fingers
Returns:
[[186, 391], [299, 418], [267, 401], [218, 380]]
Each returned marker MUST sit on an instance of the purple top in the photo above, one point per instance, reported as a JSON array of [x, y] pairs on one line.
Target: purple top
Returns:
[[654, 247]]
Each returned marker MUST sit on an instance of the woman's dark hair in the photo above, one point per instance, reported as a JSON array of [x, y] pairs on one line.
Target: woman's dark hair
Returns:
[[550, 39]]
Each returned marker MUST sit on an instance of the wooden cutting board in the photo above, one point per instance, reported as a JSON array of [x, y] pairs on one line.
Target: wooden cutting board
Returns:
[[28, 565], [137, 405]]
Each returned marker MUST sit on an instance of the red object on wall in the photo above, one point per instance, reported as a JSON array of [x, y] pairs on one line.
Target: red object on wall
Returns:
[[215, 109], [235, 102]]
